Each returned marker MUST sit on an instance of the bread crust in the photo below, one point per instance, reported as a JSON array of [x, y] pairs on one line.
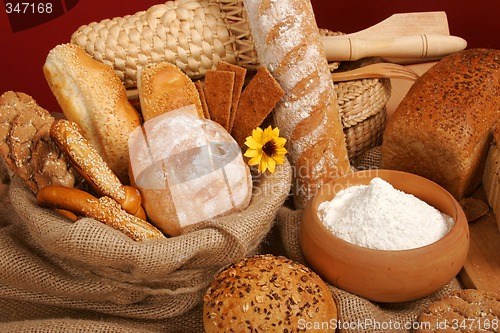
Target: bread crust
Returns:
[[442, 128], [26, 146], [103, 209], [91, 95]]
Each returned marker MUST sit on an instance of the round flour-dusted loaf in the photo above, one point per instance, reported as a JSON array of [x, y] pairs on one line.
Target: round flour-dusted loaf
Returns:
[[442, 128], [188, 170]]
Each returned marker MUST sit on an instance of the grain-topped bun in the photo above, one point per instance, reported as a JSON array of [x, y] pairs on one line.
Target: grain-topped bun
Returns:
[[91, 95], [267, 293]]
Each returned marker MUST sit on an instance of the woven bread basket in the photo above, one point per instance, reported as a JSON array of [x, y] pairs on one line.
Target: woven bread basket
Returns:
[[196, 34]]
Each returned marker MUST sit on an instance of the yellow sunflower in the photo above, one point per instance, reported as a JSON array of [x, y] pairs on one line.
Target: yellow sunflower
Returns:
[[265, 148]]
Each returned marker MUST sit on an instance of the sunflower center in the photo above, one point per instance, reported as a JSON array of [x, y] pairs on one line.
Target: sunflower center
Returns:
[[269, 148]]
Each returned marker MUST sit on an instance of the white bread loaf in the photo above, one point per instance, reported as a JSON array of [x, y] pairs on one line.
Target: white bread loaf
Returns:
[[91, 95], [442, 128], [188, 170], [288, 43], [491, 176]]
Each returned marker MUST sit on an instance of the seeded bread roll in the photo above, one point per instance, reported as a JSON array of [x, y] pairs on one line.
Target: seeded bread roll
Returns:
[[267, 293], [442, 128], [91, 95], [288, 43]]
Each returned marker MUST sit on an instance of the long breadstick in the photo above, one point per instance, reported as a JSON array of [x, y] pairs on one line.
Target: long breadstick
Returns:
[[104, 209], [93, 168], [288, 43]]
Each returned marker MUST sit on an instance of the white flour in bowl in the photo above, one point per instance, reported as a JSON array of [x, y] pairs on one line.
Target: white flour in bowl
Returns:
[[378, 216]]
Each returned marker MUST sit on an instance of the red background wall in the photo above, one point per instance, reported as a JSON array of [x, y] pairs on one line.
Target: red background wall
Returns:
[[23, 53]]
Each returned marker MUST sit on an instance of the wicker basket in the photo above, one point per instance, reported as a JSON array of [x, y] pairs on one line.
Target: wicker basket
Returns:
[[362, 107], [196, 34]]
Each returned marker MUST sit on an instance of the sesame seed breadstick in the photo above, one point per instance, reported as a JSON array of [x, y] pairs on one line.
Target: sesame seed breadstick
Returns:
[[91, 95], [288, 43], [91, 166], [104, 209]]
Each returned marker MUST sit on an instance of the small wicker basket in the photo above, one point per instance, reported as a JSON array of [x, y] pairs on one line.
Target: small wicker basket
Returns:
[[362, 107]]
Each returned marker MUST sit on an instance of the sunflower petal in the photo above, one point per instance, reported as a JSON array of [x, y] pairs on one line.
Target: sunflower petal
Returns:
[[280, 141], [279, 159], [263, 164], [271, 165], [255, 160], [252, 152], [252, 143], [257, 134]]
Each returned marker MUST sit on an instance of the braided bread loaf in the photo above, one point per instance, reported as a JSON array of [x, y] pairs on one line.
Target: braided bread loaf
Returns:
[[288, 43]]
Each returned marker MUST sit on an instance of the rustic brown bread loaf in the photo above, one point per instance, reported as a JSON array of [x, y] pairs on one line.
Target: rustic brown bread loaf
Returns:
[[442, 128]]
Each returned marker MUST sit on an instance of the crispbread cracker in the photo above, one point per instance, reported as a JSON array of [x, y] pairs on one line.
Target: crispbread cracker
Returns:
[[203, 100], [467, 310], [257, 100], [239, 81], [218, 90]]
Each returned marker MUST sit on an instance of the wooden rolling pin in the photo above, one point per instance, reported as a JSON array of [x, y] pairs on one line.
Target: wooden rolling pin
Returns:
[[339, 48]]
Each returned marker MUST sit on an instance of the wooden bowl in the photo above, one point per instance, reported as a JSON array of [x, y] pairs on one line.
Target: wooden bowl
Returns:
[[386, 275]]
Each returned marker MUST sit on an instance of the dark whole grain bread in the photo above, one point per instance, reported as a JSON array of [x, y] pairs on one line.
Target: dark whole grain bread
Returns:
[[442, 128]]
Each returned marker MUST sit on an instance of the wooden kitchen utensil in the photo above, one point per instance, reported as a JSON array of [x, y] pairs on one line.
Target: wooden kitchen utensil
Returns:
[[338, 48], [377, 70]]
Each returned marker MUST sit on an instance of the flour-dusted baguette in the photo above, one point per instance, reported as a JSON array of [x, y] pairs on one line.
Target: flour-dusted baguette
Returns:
[[442, 128], [288, 43], [491, 176]]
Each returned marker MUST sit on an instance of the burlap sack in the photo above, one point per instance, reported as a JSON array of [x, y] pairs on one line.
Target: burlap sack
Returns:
[[85, 276], [46, 288]]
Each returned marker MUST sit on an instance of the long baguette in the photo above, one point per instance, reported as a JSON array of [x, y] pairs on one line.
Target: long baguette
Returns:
[[288, 43]]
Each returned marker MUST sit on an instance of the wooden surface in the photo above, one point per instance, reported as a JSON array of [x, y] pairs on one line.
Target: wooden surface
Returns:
[[482, 268]]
